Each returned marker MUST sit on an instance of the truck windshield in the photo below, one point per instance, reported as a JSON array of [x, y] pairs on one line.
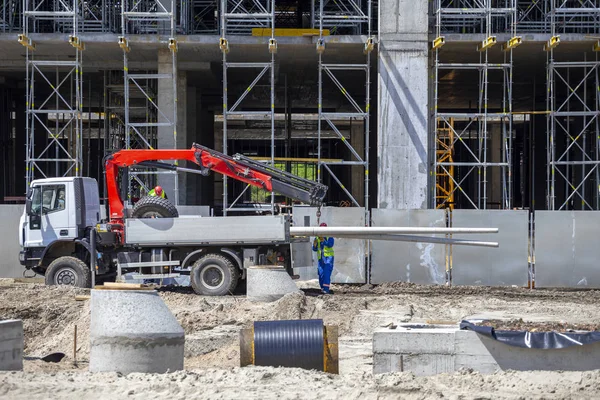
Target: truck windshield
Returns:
[[49, 198]]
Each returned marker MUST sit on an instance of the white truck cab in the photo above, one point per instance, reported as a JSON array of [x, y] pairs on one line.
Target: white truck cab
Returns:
[[57, 211]]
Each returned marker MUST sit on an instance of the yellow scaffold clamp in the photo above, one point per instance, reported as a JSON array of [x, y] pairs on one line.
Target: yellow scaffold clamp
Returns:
[[552, 43], [76, 42], [123, 44], [512, 43], [173, 45], [438, 42], [224, 45], [320, 45], [25, 41], [272, 46], [487, 43], [369, 45]]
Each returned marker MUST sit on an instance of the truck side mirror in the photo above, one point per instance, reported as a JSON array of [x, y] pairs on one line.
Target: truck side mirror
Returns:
[[28, 206]]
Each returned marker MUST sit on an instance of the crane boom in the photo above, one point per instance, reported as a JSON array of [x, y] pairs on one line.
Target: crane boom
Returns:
[[237, 167]]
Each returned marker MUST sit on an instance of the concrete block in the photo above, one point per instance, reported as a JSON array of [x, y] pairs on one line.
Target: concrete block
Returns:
[[268, 283], [11, 345], [425, 352], [134, 331], [427, 341]]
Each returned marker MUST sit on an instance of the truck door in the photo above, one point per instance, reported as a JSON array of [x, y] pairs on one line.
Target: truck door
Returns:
[[50, 216]]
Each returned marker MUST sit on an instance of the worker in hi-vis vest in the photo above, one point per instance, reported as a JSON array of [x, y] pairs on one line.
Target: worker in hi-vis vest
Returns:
[[157, 192], [324, 248]]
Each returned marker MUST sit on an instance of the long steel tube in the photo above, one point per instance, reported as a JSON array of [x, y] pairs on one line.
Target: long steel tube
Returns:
[[365, 230], [422, 239]]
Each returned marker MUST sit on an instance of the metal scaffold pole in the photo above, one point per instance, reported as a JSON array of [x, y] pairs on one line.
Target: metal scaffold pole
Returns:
[[573, 95], [56, 149], [350, 16], [238, 19], [143, 119], [464, 141]]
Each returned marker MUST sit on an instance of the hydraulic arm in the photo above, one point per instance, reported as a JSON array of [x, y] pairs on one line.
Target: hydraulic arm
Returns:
[[237, 167]]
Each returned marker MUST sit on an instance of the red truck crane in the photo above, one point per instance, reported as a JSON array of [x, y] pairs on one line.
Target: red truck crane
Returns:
[[61, 213]]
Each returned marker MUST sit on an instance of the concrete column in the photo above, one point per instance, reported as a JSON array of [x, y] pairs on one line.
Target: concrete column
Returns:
[[494, 174], [402, 159], [166, 137], [357, 140]]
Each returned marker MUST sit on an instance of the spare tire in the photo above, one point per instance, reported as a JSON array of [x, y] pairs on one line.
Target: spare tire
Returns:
[[154, 207]]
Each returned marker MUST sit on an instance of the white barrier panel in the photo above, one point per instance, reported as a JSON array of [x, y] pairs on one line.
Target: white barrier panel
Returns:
[[567, 253], [422, 263], [502, 266]]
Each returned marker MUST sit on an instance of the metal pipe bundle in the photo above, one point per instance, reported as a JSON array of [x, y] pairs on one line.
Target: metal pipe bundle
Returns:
[[399, 234]]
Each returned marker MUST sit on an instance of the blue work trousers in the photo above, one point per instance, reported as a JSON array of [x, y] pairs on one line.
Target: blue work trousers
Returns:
[[325, 269]]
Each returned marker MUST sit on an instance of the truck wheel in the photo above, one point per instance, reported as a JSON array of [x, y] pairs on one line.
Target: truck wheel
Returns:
[[214, 275], [68, 271], [154, 207]]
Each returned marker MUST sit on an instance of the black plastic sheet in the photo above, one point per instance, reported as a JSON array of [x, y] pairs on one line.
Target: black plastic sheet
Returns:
[[534, 340]]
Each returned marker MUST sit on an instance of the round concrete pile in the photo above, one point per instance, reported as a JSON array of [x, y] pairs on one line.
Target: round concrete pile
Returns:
[[268, 283], [133, 331]]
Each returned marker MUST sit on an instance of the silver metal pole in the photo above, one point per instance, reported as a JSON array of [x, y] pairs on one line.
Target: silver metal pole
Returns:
[[223, 35], [421, 239], [359, 230]]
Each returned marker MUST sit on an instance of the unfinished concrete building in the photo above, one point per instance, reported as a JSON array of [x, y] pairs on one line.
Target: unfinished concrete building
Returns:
[[391, 103]]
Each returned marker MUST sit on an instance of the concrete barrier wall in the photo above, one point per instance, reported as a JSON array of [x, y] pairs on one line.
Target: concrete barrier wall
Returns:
[[11, 345], [566, 249], [9, 237], [422, 263], [501, 266], [431, 351]]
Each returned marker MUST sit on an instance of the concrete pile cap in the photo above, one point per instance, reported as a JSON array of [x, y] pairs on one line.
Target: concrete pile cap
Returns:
[[134, 331], [268, 283]]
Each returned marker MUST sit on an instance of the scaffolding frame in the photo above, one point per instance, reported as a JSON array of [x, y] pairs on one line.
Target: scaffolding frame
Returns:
[[238, 17], [347, 16], [574, 118], [359, 112], [147, 16], [447, 138], [10, 16], [61, 152], [202, 17]]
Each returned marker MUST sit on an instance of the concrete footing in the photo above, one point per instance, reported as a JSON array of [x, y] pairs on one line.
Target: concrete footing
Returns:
[[11, 345], [433, 350], [134, 331], [268, 283]]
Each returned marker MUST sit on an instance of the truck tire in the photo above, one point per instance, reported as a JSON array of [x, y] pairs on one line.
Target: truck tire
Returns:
[[154, 207], [68, 271], [214, 275]]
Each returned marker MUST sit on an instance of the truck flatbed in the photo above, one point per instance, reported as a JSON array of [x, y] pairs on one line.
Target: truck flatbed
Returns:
[[194, 231]]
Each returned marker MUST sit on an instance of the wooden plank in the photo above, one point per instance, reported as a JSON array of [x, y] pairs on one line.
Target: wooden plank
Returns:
[[246, 347], [288, 32], [82, 298], [331, 349], [123, 286], [28, 280]]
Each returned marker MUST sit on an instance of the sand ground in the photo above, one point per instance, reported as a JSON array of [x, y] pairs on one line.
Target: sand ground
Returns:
[[212, 326]]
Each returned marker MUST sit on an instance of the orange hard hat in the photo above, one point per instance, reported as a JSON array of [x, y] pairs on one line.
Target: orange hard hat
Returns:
[[158, 190]]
